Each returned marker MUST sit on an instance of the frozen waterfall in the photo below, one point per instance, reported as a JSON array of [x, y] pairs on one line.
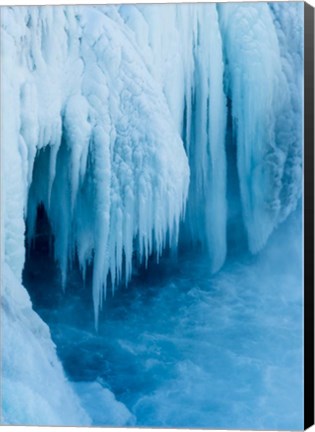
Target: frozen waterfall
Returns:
[[131, 135], [108, 116]]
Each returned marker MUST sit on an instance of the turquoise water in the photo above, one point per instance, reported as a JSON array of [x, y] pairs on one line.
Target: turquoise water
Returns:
[[183, 348]]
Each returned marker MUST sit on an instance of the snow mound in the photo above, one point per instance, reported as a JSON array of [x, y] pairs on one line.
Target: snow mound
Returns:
[[34, 388]]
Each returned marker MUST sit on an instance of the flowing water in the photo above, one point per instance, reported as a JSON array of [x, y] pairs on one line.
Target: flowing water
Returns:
[[180, 347]]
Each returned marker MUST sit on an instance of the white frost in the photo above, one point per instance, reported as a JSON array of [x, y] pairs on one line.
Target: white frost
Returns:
[[34, 387]]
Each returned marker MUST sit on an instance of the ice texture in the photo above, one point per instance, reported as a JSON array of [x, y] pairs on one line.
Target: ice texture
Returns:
[[104, 111], [120, 121], [34, 387], [91, 136], [264, 83], [188, 61]]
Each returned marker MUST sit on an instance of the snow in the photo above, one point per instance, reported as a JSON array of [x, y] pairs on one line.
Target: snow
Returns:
[[32, 368], [120, 120]]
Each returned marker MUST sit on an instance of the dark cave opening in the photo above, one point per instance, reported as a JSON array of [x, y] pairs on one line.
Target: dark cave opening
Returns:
[[41, 272], [42, 276]]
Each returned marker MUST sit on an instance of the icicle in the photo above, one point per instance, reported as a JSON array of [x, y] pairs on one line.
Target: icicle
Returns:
[[260, 98], [111, 122]]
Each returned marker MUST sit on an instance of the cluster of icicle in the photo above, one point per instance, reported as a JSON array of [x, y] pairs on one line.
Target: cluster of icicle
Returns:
[[115, 118]]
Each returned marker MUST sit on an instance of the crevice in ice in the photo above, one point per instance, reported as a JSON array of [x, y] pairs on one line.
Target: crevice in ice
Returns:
[[42, 276], [40, 265], [236, 231], [42, 241]]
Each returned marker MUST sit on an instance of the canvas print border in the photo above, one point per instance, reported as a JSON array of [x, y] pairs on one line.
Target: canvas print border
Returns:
[[308, 216]]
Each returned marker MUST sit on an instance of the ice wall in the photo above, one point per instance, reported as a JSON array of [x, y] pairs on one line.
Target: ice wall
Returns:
[[188, 61], [264, 70], [105, 107], [251, 55], [87, 131]]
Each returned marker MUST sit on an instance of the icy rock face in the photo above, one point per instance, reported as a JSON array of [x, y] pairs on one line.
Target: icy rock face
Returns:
[[87, 132], [34, 387]]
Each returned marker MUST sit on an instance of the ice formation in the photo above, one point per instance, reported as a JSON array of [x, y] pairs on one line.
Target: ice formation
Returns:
[[94, 141], [265, 86], [34, 388], [102, 107], [116, 119], [188, 61]]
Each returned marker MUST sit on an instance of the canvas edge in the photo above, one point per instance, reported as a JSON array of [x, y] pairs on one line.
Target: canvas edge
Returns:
[[308, 215]]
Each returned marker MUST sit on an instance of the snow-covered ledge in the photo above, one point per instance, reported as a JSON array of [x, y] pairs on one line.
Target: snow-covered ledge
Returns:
[[34, 387]]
